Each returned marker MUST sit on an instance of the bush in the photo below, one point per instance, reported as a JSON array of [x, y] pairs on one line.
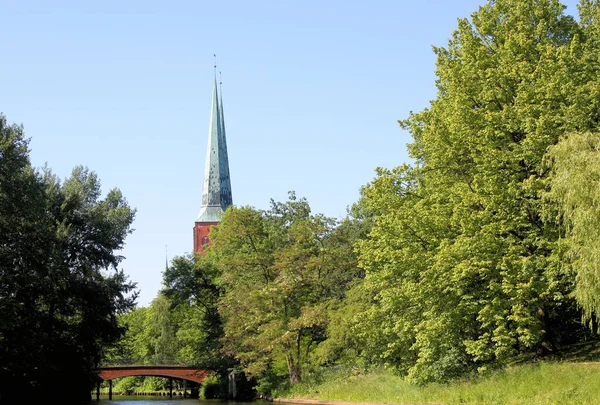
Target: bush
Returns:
[[211, 386]]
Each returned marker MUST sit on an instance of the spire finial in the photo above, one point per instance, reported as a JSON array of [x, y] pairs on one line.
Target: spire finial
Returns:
[[215, 66], [220, 82], [166, 259]]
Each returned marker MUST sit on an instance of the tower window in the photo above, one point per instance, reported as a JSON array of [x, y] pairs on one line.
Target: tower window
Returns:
[[204, 240]]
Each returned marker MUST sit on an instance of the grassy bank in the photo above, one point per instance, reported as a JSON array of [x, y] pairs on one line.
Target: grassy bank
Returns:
[[541, 383]]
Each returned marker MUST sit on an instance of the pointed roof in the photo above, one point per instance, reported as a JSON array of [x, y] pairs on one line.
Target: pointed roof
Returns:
[[216, 193], [226, 198]]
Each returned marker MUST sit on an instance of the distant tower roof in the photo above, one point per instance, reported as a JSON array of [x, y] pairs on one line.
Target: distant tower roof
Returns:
[[226, 199], [216, 194]]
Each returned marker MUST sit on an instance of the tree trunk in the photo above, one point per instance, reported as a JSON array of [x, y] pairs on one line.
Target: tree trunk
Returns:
[[295, 376], [293, 370], [293, 362]]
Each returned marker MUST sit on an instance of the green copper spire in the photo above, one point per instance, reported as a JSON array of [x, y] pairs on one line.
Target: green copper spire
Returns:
[[226, 198], [216, 194]]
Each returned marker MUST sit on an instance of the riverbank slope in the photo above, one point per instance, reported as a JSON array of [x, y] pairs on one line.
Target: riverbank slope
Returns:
[[536, 383]]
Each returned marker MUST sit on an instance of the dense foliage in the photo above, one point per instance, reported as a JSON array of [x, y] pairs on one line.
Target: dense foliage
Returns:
[[258, 302], [60, 290], [464, 260], [280, 270], [575, 186], [482, 249]]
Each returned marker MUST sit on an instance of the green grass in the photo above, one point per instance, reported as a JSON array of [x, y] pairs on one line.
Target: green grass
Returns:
[[539, 383]]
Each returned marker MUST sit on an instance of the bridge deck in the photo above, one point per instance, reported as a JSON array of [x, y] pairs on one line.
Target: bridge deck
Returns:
[[179, 372]]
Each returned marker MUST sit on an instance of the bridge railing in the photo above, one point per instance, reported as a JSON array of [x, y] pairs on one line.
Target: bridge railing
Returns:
[[153, 361]]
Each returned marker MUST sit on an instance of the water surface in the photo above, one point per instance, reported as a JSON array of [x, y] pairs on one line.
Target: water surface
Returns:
[[161, 400]]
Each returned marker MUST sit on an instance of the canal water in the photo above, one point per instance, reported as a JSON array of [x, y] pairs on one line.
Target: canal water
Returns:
[[156, 400], [153, 400]]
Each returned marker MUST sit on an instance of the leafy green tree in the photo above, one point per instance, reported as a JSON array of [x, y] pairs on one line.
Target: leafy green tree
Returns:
[[191, 282], [463, 267], [150, 336], [181, 325], [341, 346], [60, 290], [280, 269], [575, 162], [162, 329], [135, 345]]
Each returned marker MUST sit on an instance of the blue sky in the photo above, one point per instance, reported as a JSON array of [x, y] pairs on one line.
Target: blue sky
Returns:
[[312, 93]]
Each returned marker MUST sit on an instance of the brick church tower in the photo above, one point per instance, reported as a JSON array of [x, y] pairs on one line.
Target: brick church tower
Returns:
[[216, 193]]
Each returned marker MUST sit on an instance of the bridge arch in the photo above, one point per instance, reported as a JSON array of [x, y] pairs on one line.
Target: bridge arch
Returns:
[[178, 372]]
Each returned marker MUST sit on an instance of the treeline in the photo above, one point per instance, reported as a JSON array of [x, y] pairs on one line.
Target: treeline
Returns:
[[60, 290], [267, 285], [486, 247]]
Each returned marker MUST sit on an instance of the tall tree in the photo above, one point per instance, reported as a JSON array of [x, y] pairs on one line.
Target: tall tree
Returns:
[[280, 269], [191, 282], [60, 290], [575, 187], [463, 267]]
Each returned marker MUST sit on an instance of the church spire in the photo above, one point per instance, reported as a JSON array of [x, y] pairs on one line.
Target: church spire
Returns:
[[216, 194], [226, 197]]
